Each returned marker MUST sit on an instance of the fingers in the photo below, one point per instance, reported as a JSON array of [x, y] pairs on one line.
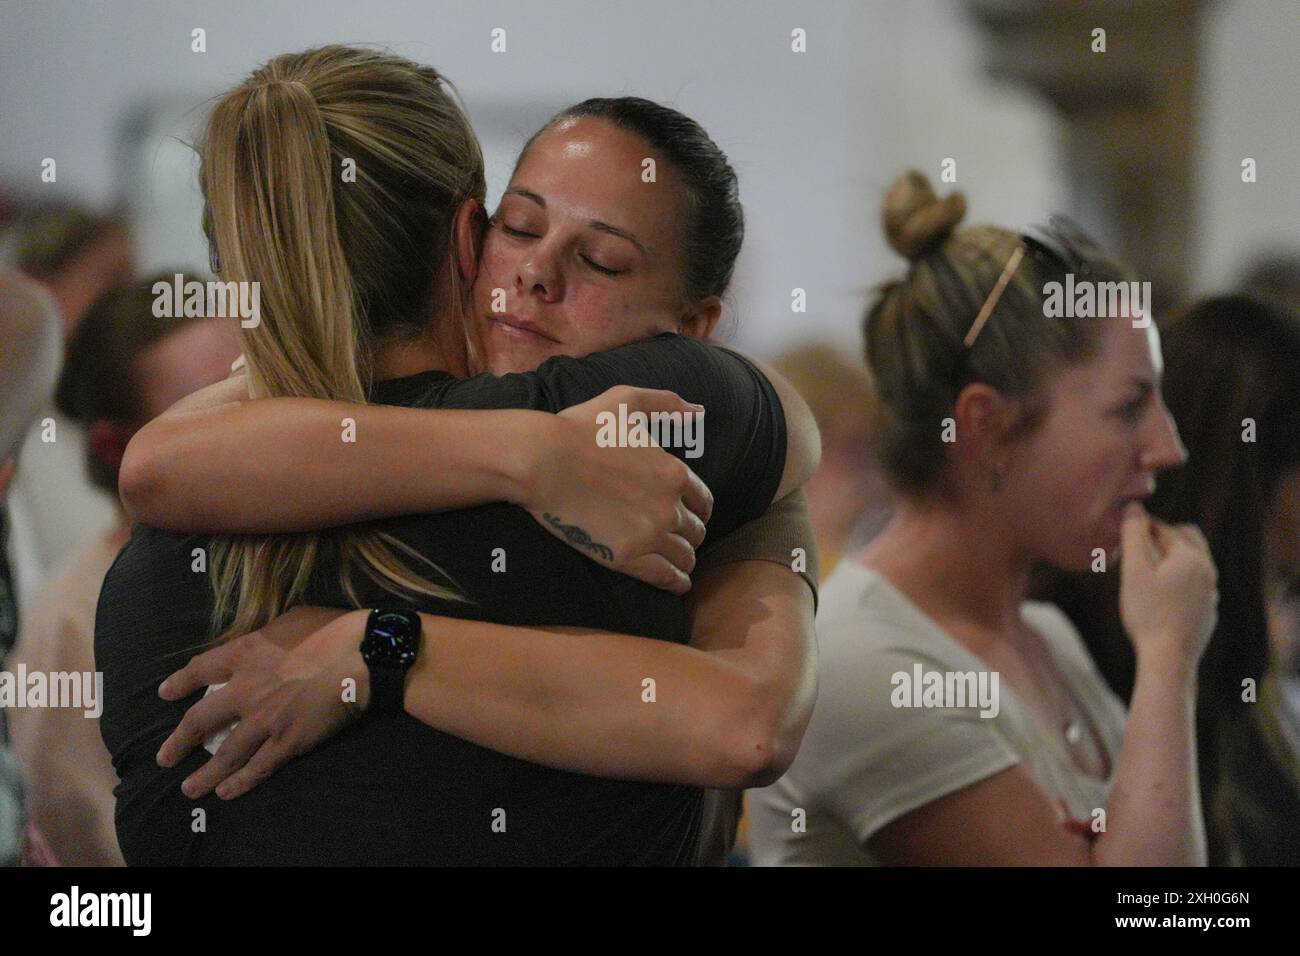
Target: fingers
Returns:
[[1185, 536], [656, 400], [233, 754], [678, 552], [215, 712], [657, 571], [1135, 536], [689, 526], [1193, 536], [1163, 539], [210, 667], [270, 757], [697, 497]]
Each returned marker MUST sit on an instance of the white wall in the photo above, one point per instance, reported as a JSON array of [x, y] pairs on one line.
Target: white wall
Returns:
[[815, 137], [1250, 88]]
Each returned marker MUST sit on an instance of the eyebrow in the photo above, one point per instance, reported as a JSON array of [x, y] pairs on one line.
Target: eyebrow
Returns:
[[596, 224]]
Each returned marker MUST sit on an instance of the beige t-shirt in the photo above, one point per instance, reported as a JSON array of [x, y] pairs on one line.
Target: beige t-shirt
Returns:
[[866, 761]]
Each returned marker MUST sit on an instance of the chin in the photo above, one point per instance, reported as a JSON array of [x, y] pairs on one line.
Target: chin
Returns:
[[1108, 543], [1080, 554]]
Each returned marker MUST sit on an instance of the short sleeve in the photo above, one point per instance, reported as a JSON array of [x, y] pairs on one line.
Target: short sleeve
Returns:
[[879, 761], [782, 534], [740, 450]]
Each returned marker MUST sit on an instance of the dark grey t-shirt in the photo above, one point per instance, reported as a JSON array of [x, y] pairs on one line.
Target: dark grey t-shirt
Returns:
[[390, 789]]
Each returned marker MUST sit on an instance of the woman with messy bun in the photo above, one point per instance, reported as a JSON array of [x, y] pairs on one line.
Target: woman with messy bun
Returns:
[[958, 723]]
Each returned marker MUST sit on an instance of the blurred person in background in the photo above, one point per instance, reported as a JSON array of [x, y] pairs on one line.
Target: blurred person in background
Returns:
[[1012, 438], [30, 346], [1275, 279], [77, 255], [1232, 383], [123, 367], [848, 496]]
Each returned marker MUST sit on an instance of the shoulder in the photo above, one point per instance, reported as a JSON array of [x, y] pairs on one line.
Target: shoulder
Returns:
[[862, 613], [871, 641], [157, 586]]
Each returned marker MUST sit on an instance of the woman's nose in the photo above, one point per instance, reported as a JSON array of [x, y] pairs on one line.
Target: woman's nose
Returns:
[[1165, 447], [538, 275]]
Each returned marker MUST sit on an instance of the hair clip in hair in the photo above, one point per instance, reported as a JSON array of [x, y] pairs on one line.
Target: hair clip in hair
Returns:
[[991, 302]]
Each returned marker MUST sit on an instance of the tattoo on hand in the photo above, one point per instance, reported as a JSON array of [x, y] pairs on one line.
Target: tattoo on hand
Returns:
[[578, 537]]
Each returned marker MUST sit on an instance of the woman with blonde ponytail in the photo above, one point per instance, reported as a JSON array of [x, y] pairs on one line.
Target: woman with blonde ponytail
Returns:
[[320, 248], [528, 728], [958, 723]]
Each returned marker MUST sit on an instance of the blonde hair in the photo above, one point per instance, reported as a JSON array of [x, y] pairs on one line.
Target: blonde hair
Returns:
[[915, 329], [343, 263]]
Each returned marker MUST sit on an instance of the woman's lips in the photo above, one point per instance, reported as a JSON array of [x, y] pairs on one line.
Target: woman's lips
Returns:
[[518, 329]]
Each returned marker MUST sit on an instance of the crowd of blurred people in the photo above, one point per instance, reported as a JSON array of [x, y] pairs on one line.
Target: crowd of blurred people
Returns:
[[71, 304]]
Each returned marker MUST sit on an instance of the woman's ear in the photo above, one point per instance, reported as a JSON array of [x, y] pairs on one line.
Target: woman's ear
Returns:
[[699, 322], [984, 419], [471, 226]]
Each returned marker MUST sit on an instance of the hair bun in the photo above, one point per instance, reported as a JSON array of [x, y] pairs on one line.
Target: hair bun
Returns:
[[916, 221]]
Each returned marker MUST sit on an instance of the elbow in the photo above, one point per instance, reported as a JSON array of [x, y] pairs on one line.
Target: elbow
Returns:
[[140, 483], [763, 764], [761, 748]]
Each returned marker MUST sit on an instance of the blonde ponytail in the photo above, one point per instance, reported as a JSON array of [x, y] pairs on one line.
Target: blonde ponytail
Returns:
[[339, 267]]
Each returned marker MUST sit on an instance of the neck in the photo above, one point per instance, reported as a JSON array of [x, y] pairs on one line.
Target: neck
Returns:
[[441, 346], [956, 561], [399, 359]]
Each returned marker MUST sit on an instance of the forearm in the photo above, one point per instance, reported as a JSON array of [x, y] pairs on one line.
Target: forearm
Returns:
[[1154, 815], [610, 705], [727, 711], [294, 464]]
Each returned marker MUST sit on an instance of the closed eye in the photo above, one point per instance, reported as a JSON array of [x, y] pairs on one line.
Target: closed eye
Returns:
[[1131, 411], [602, 269], [518, 233]]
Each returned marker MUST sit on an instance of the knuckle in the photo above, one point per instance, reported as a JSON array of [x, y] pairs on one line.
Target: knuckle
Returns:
[[668, 516]]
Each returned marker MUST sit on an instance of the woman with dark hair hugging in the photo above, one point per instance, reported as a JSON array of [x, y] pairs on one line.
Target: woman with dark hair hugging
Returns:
[[521, 700]]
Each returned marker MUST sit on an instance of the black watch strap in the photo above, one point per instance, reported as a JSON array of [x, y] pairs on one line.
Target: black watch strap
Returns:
[[387, 688]]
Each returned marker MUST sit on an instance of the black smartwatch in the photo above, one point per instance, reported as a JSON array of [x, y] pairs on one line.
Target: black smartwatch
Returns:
[[389, 648]]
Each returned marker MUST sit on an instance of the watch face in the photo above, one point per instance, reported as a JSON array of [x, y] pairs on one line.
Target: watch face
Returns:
[[392, 637]]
